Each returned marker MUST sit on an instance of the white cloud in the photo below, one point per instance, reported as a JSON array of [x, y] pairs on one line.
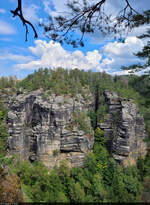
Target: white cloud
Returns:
[[30, 12], [137, 31], [6, 28], [110, 7], [47, 6], [53, 55], [125, 50], [123, 72], [59, 6], [2, 11], [14, 57], [121, 54], [115, 55]]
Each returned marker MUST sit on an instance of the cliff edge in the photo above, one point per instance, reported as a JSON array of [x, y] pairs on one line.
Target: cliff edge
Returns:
[[50, 130], [124, 130]]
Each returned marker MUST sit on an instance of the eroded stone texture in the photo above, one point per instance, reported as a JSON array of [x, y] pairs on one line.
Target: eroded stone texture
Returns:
[[124, 130], [38, 128]]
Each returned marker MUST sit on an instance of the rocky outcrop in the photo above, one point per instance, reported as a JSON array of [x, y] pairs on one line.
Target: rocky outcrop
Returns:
[[124, 129], [44, 129]]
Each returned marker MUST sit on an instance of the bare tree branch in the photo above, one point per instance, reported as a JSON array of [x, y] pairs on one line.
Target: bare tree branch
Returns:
[[88, 18], [18, 12]]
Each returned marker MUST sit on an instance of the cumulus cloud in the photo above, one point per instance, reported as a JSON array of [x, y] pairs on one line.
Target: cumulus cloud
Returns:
[[6, 28], [125, 50], [121, 54], [53, 55], [111, 57]]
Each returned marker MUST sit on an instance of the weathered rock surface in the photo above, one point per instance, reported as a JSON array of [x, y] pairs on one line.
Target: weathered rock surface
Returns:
[[38, 128], [124, 130], [45, 129]]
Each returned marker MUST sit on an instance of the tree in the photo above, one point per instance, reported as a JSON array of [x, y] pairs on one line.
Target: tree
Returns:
[[86, 16], [76, 192], [145, 53], [139, 20], [18, 12], [99, 136]]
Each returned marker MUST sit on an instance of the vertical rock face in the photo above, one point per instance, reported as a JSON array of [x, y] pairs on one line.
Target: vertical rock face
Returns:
[[124, 129], [40, 129], [46, 129]]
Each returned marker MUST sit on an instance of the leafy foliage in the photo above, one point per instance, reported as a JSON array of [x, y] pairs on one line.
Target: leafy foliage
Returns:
[[3, 130], [82, 122], [139, 20], [101, 180]]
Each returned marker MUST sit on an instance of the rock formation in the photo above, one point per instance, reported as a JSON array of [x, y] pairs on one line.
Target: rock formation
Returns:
[[124, 129], [44, 129]]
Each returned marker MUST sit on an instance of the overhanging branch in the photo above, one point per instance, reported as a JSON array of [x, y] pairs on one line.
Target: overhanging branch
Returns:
[[18, 12]]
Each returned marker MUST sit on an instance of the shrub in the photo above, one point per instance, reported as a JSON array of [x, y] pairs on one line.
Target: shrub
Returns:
[[55, 152], [82, 121]]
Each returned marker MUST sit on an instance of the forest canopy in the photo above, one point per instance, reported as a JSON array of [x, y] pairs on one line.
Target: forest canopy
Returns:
[[101, 179]]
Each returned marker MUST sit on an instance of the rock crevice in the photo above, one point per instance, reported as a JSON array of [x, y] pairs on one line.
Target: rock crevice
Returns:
[[38, 129], [124, 129]]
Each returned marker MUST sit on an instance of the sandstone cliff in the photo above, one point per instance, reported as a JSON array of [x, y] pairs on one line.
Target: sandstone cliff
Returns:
[[45, 129], [50, 130], [124, 130]]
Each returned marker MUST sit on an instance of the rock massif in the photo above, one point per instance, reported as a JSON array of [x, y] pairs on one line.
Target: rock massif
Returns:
[[44, 129], [124, 129], [49, 129]]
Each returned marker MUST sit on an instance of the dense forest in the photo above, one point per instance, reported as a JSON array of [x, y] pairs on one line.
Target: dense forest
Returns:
[[101, 179]]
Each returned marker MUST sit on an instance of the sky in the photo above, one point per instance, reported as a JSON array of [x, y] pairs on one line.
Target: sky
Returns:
[[20, 58]]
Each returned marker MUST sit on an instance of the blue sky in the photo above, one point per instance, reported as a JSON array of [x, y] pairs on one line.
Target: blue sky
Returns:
[[20, 58]]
